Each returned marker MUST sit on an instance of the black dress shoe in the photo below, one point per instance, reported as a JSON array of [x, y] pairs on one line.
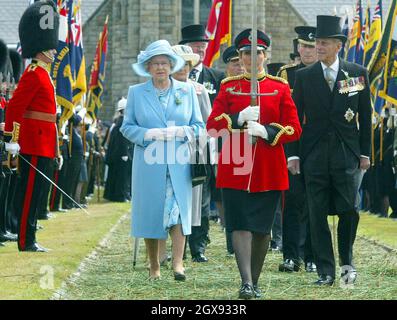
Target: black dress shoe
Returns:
[[288, 266], [200, 258], [35, 247], [325, 280], [45, 216], [178, 276], [257, 292], [310, 267], [4, 237], [246, 292], [349, 276]]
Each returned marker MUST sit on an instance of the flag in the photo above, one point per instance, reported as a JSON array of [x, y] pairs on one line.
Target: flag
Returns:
[[77, 60], [61, 69], [355, 34], [375, 33], [364, 35], [345, 31], [97, 78], [219, 29], [383, 66]]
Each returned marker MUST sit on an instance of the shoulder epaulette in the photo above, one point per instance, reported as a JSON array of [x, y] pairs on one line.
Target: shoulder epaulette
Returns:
[[240, 76], [32, 67], [288, 66], [276, 78]]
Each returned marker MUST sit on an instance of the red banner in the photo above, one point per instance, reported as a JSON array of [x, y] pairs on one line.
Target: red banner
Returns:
[[219, 29]]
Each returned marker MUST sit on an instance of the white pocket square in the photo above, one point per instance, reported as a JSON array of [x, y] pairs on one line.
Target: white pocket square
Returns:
[[352, 93]]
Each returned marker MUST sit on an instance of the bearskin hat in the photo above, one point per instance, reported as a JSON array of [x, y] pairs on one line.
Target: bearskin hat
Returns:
[[38, 28], [17, 64], [3, 55]]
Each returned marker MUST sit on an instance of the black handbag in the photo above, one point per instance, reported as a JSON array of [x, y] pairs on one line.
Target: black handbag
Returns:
[[198, 166]]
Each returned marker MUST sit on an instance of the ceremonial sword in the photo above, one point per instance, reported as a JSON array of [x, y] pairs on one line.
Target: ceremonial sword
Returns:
[[254, 71], [53, 183]]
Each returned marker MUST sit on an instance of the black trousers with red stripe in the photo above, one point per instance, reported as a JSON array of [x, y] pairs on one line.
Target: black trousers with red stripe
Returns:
[[27, 197]]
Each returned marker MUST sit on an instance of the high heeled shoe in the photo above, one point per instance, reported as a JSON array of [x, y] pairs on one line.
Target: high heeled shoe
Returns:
[[178, 276]]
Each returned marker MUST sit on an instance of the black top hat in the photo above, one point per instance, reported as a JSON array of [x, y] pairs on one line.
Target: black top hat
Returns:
[[329, 27], [230, 54], [306, 35], [34, 38], [273, 68], [243, 40], [193, 33], [294, 54]]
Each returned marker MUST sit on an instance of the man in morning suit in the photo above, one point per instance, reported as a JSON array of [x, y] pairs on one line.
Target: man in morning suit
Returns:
[[333, 101], [296, 228]]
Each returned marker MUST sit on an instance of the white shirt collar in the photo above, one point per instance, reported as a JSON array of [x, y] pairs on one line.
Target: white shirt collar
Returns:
[[199, 67], [334, 66]]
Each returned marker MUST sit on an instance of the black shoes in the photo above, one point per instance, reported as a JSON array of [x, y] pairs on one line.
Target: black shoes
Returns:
[[246, 292], [35, 247], [325, 280], [45, 216], [310, 267], [288, 266], [199, 258], [257, 292], [349, 276], [8, 236]]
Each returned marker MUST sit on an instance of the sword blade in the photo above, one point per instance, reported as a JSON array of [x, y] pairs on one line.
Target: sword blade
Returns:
[[254, 49], [53, 183]]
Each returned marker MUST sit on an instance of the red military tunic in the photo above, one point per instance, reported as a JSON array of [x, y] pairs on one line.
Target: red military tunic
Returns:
[[33, 106], [243, 166]]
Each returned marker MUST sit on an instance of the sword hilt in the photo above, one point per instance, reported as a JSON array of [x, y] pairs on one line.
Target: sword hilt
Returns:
[[14, 139], [239, 93]]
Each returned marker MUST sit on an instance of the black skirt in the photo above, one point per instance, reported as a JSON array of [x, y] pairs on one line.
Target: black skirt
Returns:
[[250, 211]]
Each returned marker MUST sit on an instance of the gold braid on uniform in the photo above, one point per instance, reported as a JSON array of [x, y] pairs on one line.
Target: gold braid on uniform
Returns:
[[238, 77], [288, 130], [227, 118], [276, 78]]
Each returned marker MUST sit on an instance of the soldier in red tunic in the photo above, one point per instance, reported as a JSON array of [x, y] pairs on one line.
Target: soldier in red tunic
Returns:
[[30, 127], [252, 175]]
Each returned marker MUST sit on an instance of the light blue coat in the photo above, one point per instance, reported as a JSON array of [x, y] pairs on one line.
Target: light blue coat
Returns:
[[144, 111]]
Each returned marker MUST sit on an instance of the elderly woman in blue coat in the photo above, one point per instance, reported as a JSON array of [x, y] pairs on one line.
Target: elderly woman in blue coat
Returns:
[[161, 119]]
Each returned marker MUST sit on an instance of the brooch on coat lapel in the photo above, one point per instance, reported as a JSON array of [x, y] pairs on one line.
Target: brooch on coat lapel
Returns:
[[178, 95], [349, 115], [210, 87], [351, 84]]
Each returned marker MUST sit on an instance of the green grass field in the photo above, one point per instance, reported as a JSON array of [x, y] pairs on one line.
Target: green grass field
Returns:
[[71, 236], [109, 273]]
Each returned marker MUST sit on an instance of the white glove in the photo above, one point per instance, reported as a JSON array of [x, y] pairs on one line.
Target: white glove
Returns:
[[63, 129], [60, 163], [390, 122], [172, 132], [124, 158], [155, 134], [257, 130], [82, 113], [86, 154], [12, 147], [251, 113]]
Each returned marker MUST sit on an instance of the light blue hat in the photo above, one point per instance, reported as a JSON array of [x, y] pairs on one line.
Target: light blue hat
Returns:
[[159, 47]]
